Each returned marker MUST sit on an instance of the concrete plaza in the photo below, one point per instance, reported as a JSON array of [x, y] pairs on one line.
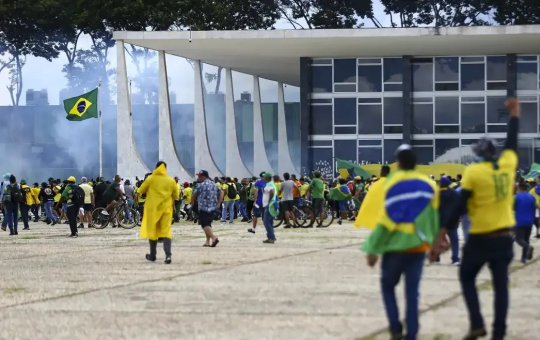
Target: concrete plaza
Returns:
[[311, 284]]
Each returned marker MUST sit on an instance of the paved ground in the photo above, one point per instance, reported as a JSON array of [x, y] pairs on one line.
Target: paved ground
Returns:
[[312, 284]]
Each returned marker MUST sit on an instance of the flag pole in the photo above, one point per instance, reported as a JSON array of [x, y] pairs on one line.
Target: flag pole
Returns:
[[100, 138]]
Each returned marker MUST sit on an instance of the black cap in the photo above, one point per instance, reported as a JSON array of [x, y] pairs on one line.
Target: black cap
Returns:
[[203, 173]]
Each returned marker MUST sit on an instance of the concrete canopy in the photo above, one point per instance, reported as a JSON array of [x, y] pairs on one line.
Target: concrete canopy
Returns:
[[274, 54]]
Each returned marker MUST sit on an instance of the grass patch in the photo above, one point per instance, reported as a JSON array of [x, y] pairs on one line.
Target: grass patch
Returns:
[[28, 237], [207, 262], [14, 290]]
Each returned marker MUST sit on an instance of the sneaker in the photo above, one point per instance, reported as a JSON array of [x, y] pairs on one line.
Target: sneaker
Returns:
[[269, 241], [456, 263], [53, 223], [26, 228], [74, 235], [3, 228], [168, 260], [530, 253], [150, 257], [81, 226], [251, 230], [249, 221], [105, 213], [475, 334], [339, 222], [231, 222]]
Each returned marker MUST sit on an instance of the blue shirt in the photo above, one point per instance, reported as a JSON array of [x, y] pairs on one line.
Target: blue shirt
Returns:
[[260, 184], [525, 209], [207, 195]]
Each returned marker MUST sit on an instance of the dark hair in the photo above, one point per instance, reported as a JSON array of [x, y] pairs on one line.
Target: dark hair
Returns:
[[385, 170], [293, 176], [406, 159], [286, 176], [523, 186], [342, 181], [228, 179], [159, 163], [12, 179], [127, 182]]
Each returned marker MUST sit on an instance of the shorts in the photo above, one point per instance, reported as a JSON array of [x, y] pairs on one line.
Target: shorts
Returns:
[[64, 207], [206, 218], [257, 212], [318, 204], [287, 205], [88, 207]]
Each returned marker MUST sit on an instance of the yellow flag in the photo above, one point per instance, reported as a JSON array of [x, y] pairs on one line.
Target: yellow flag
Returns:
[[372, 206]]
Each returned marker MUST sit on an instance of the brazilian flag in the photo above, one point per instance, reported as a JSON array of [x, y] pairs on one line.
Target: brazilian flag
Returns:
[[82, 107]]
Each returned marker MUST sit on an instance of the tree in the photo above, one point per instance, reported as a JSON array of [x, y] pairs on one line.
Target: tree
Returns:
[[326, 13], [446, 13], [25, 27], [516, 12]]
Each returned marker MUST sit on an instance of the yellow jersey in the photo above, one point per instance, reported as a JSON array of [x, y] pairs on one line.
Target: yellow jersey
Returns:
[[536, 196], [187, 195], [491, 204], [36, 192]]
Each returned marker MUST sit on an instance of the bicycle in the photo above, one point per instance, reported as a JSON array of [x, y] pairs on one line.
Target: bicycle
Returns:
[[325, 218], [302, 216], [123, 215]]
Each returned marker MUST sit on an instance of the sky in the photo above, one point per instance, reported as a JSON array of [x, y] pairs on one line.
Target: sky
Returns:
[[42, 74]]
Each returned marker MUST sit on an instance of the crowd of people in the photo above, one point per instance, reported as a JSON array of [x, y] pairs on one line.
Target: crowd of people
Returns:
[[411, 216]]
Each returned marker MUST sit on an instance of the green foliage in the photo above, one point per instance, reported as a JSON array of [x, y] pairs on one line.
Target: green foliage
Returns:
[[517, 12]]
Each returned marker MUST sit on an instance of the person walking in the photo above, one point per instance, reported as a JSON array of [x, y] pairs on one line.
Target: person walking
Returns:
[[3, 187], [524, 210], [36, 190], [487, 196], [316, 192], [72, 207], [161, 192], [26, 204], [243, 199], [269, 198], [230, 191], [47, 197], [287, 200], [407, 227], [11, 199], [89, 202], [449, 198], [257, 194], [208, 197]]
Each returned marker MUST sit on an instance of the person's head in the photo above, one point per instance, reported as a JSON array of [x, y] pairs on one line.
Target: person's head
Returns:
[[84, 180], [127, 182], [293, 177], [458, 178], [261, 175], [445, 182], [158, 164], [12, 179], [254, 179], [286, 176], [228, 180], [302, 180], [385, 171], [244, 181], [276, 178], [522, 186], [267, 177], [44, 184], [406, 158], [117, 179], [71, 180], [485, 149], [36, 185], [235, 180], [317, 174], [23, 182], [186, 184], [176, 179], [202, 176], [358, 179], [342, 181]]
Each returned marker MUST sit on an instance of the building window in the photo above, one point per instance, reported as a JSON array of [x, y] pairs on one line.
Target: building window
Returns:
[[321, 119], [369, 75], [496, 73], [345, 150], [393, 110], [447, 151], [345, 111], [447, 110], [368, 154], [473, 76], [344, 75], [529, 115], [369, 117], [422, 116], [496, 112], [422, 74], [447, 74], [321, 79], [527, 73], [473, 116], [390, 147], [393, 74]]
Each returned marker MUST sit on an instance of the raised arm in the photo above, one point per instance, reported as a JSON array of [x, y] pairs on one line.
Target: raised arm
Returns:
[[514, 107]]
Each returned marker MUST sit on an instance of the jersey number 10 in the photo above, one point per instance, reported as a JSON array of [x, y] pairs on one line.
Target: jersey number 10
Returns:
[[501, 186]]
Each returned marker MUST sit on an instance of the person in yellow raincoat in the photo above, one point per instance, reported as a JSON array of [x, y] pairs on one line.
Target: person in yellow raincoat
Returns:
[[161, 193], [373, 203]]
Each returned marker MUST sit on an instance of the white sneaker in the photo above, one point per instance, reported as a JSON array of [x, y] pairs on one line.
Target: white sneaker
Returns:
[[456, 263], [104, 212]]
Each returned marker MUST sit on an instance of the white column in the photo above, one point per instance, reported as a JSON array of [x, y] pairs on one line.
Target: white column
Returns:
[[167, 148], [234, 166], [203, 157], [285, 162], [128, 162], [260, 158]]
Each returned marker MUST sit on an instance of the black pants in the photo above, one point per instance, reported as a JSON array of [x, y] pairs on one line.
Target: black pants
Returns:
[[24, 214], [35, 211], [72, 212], [167, 243], [497, 252], [523, 234]]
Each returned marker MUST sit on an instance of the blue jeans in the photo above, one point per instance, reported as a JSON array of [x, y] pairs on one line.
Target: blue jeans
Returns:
[[454, 243], [497, 252], [47, 206], [242, 209], [268, 221], [12, 216], [228, 206], [393, 266]]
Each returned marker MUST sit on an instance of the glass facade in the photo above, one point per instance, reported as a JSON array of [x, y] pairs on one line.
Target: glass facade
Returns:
[[454, 101]]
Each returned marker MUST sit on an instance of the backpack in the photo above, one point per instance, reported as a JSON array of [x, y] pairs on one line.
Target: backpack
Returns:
[[231, 191], [16, 194], [77, 196]]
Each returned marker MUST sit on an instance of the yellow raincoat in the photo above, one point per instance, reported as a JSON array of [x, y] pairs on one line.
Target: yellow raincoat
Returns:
[[372, 207], [161, 192]]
